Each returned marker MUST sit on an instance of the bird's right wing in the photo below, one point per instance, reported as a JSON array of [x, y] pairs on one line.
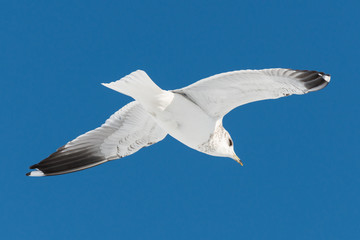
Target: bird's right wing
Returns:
[[219, 94], [124, 133]]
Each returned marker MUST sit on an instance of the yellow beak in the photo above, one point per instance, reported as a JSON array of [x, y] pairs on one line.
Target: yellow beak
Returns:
[[236, 158]]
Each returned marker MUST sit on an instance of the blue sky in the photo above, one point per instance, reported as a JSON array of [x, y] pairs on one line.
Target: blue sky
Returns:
[[300, 178]]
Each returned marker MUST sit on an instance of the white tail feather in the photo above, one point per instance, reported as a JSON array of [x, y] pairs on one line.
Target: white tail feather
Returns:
[[136, 85], [139, 86]]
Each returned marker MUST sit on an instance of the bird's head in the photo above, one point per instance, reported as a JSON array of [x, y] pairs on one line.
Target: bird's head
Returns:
[[224, 145]]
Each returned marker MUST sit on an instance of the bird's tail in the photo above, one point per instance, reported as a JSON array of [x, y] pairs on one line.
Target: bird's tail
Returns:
[[139, 86]]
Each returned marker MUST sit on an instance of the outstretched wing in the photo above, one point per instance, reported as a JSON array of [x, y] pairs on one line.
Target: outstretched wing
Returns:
[[124, 133], [219, 94]]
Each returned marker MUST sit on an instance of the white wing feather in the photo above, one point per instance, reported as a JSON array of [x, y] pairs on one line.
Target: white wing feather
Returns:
[[124, 133], [219, 94]]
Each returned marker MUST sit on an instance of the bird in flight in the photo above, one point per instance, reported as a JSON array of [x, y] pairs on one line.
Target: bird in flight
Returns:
[[192, 115]]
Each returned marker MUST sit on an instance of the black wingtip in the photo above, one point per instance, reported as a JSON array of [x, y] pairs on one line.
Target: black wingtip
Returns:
[[313, 80], [28, 174], [34, 166]]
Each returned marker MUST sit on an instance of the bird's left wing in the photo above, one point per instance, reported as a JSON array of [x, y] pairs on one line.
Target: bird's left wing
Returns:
[[124, 133], [219, 94]]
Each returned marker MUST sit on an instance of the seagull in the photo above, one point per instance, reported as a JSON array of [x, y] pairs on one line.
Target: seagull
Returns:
[[192, 115]]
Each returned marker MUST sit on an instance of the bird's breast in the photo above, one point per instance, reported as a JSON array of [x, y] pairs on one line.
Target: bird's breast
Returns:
[[186, 122]]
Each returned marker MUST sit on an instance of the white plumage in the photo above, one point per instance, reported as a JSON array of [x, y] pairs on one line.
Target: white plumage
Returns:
[[193, 115]]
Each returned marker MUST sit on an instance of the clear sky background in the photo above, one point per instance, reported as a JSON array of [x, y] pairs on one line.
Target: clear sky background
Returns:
[[300, 178]]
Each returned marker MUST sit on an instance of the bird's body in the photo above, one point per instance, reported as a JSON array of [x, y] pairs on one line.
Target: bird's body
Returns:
[[177, 120], [192, 115]]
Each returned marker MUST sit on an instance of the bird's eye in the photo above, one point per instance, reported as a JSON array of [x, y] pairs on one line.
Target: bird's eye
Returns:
[[230, 142]]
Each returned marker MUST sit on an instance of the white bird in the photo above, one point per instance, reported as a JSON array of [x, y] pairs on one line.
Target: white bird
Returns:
[[192, 115]]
